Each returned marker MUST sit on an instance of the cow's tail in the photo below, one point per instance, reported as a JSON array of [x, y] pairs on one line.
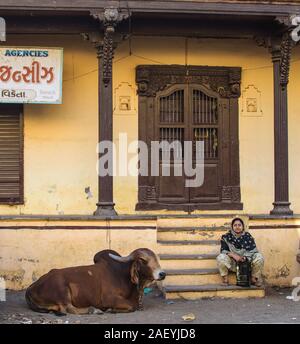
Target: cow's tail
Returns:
[[32, 305]]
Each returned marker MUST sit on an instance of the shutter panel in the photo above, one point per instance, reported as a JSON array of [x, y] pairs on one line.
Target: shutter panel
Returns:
[[11, 154]]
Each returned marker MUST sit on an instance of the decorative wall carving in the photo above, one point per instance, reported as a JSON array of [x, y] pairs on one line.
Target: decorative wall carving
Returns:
[[226, 193], [224, 80], [286, 51], [110, 16], [235, 194], [231, 193], [108, 55], [124, 99], [147, 193], [251, 102]]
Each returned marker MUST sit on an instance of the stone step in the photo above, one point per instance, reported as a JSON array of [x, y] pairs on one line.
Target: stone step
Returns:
[[194, 292], [190, 233], [188, 246], [195, 277], [188, 261], [187, 256]]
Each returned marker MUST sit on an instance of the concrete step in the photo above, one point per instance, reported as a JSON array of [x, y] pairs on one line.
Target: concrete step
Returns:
[[190, 233], [188, 261], [188, 246], [195, 277], [192, 292]]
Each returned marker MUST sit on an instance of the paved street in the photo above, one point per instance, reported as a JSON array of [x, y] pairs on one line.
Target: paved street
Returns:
[[274, 308]]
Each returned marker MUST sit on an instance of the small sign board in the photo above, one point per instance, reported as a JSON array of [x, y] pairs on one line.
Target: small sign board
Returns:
[[31, 75]]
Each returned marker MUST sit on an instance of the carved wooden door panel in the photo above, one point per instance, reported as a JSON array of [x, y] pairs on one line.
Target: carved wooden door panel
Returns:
[[190, 103], [205, 121], [172, 125]]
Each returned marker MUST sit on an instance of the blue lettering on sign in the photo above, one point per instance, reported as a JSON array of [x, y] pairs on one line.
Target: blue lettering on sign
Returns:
[[27, 53]]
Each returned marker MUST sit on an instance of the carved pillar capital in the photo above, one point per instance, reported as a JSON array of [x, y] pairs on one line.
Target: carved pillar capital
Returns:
[[284, 21], [110, 16], [97, 40], [281, 50], [106, 43]]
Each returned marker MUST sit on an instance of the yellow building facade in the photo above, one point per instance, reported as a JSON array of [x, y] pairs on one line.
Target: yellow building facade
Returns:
[[60, 141], [60, 158]]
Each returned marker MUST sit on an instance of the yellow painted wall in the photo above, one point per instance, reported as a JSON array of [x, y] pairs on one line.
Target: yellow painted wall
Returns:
[[279, 247], [60, 140], [26, 254]]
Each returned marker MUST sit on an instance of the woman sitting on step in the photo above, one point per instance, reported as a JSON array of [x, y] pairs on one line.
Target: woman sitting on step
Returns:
[[237, 244]]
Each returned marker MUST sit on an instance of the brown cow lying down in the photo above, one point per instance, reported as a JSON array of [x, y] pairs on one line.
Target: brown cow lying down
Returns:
[[114, 283]]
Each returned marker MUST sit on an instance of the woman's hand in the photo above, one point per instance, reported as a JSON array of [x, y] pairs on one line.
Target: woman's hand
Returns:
[[236, 257]]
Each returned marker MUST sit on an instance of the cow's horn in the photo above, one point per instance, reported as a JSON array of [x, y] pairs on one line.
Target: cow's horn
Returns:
[[121, 259]]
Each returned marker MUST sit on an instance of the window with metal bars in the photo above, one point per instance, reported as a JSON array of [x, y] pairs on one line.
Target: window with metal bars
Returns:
[[172, 108], [171, 115], [205, 123], [173, 136], [11, 154], [205, 109], [210, 138]]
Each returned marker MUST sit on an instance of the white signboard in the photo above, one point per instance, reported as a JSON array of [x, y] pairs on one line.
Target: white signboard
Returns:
[[31, 75]]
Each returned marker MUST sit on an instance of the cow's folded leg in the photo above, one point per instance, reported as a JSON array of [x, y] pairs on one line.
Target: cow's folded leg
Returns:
[[122, 310], [75, 310], [60, 313], [93, 310], [59, 310], [122, 306]]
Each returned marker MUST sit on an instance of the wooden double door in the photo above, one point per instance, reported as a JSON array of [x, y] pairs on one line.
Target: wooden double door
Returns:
[[189, 112]]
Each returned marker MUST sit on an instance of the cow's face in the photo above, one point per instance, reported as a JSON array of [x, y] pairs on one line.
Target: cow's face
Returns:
[[148, 267], [144, 266]]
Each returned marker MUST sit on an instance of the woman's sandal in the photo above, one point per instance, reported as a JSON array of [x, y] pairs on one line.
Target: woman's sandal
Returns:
[[225, 280], [257, 282]]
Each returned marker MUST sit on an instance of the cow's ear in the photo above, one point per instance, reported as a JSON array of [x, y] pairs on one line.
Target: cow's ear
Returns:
[[134, 273], [143, 260]]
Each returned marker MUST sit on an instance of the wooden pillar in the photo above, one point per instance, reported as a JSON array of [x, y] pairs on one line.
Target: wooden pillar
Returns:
[[109, 18], [105, 205], [281, 53]]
